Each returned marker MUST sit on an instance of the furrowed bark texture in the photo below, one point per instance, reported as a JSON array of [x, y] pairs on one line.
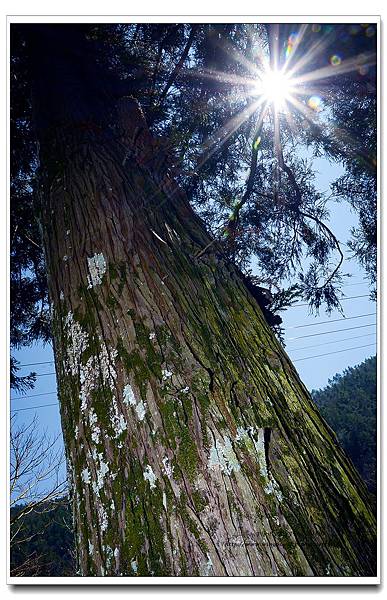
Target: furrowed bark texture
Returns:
[[193, 447]]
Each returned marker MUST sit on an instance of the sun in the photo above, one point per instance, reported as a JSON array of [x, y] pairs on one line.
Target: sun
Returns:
[[275, 87]]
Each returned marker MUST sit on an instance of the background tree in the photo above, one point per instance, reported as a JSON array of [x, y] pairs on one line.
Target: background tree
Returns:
[[36, 488], [193, 446], [349, 404]]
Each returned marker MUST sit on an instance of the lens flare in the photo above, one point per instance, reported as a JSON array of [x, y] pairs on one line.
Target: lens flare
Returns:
[[335, 60], [363, 70], [314, 103], [292, 41], [354, 29], [257, 142]]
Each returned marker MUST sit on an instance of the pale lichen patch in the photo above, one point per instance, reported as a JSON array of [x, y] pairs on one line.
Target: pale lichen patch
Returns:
[[85, 475], [77, 342], [223, 457], [97, 269], [109, 555], [107, 359], [140, 410], [121, 425], [258, 438], [168, 468], [95, 429], [88, 375], [134, 565], [207, 567], [272, 487], [150, 476], [259, 444], [130, 400], [103, 518], [166, 374], [129, 397], [102, 471]]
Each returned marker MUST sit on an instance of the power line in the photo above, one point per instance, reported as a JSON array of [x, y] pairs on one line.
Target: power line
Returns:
[[356, 337], [341, 300], [335, 352], [332, 321], [33, 407], [44, 374], [296, 360], [47, 362], [33, 396], [290, 349], [327, 332], [356, 283]]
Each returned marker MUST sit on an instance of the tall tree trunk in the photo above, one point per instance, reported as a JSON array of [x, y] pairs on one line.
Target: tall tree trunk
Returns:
[[193, 447]]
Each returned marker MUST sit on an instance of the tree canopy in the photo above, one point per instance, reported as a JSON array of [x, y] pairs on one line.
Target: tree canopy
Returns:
[[244, 160]]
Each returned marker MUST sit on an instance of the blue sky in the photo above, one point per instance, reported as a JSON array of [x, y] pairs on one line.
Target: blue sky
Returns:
[[352, 339], [315, 373]]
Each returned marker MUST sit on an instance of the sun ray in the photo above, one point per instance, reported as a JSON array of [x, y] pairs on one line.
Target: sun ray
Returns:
[[238, 57], [317, 48], [347, 66], [293, 47], [342, 136], [291, 121], [222, 77], [213, 143]]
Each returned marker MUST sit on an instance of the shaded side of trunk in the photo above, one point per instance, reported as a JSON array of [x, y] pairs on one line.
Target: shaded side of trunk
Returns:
[[193, 447]]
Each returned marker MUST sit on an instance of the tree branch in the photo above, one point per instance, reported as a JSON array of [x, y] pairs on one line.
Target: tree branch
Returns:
[[173, 76]]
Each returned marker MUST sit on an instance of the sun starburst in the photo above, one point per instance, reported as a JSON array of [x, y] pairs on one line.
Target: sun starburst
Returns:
[[276, 87], [279, 82]]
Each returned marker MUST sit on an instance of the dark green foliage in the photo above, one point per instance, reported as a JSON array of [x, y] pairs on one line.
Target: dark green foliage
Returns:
[[44, 546], [348, 403], [21, 384], [349, 132], [28, 287]]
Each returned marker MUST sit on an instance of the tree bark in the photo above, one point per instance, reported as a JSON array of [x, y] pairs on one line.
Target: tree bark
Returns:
[[193, 448]]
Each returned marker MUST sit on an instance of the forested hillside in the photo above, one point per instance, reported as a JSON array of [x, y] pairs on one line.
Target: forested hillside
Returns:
[[348, 403], [42, 545]]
